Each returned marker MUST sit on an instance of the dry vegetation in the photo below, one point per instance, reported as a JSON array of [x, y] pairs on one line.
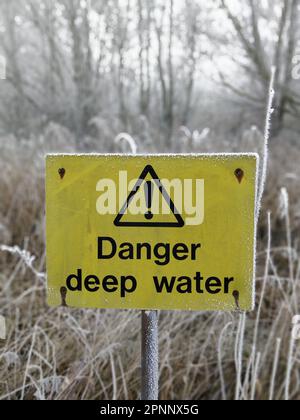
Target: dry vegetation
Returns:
[[89, 354]]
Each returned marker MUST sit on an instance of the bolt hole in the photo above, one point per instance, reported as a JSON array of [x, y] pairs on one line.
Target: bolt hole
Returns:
[[239, 173], [62, 173], [63, 294], [236, 295]]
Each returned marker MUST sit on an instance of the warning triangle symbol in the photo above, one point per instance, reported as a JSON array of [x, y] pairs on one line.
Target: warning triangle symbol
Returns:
[[147, 222]]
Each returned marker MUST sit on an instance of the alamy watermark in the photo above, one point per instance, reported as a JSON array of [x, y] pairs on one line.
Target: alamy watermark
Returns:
[[296, 63], [2, 67], [153, 197]]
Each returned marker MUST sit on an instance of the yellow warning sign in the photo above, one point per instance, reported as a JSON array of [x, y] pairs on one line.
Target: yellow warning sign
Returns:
[[151, 232]]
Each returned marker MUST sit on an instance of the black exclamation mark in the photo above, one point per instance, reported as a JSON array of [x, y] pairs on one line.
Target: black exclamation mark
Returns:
[[149, 196]]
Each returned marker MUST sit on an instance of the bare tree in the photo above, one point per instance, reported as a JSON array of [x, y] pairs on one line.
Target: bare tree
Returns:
[[122, 62], [166, 72], [257, 50], [192, 33], [144, 35]]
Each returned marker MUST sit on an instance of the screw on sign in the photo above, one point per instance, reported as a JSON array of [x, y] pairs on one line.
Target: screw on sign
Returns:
[[165, 232]]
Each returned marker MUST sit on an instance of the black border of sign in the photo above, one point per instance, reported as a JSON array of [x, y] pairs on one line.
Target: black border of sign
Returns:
[[149, 170]]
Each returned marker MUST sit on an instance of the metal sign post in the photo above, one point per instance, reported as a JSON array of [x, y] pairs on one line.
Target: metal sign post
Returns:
[[149, 356]]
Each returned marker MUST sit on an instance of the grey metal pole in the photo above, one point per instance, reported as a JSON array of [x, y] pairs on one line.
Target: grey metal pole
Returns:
[[149, 355]]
